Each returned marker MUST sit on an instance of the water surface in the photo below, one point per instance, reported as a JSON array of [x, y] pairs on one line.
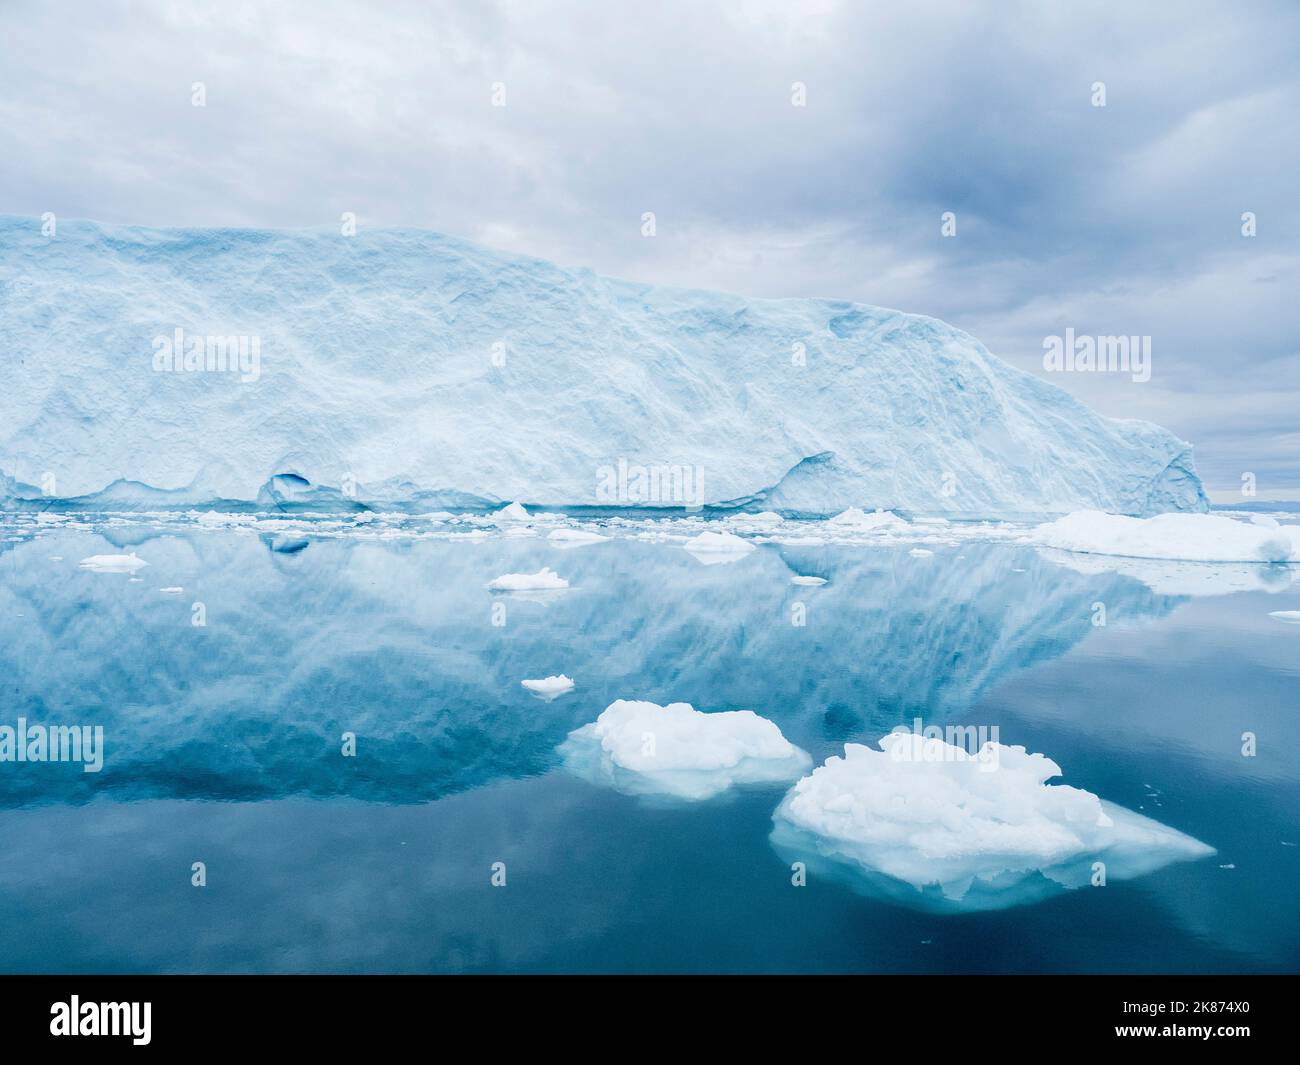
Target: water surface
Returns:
[[223, 746]]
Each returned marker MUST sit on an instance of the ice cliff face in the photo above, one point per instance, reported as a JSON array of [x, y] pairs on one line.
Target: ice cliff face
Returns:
[[404, 367]]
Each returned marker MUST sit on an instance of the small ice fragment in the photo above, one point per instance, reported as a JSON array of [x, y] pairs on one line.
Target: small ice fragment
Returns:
[[808, 582], [171, 591], [678, 751], [920, 552], [113, 563], [575, 537], [511, 512], [549, 688], [856, 520], [712, 547], [1288, 617], [545, 579]]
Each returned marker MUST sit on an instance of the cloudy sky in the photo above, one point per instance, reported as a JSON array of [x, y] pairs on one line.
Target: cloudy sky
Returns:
[[1122, 219]]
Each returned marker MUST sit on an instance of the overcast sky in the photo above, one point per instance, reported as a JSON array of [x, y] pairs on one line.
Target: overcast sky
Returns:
[[1122, 219]]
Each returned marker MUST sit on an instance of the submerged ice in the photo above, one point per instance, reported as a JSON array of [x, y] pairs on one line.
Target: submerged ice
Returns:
[[405, 367], [928, 823]]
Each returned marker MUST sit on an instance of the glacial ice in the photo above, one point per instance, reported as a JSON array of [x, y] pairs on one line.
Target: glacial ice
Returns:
[[408, 368], [513, 512], [569, 537], [855, 520], [544, 580], [113, 563], [549, 688], [928, 824], [676, 751], [712, 548], [1174, 537]]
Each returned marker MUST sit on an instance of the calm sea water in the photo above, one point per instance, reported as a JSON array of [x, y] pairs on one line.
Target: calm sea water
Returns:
[[223, 746]]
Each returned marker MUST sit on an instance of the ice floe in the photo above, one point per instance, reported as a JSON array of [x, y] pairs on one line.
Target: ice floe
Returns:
[[716, 547], [545, 580], [856, 520], [928, 824], [549, 688], [807, 582], [113, 563], [1174, 537], [569, 537], [679, 752], [1289, 617]]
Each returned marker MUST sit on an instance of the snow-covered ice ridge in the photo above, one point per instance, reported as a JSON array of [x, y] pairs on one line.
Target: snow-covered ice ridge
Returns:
[[403, 367]]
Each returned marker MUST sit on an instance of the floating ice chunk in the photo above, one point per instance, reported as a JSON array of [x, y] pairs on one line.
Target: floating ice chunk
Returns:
[[855, 520], [215, 519], [171, 591], [1289, 617], [646, 749], [928, 824], [549, 688], [512, 512], [545, 580], [764, 520], [807, 582], [566, 538], [715, 547], [113, 563], [1182, 537], [923, 552]]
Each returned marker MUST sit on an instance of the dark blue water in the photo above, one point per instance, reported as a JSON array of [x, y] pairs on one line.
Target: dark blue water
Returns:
[[223, 746]]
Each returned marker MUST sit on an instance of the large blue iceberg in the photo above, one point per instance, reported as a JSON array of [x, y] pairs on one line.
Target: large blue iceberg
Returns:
[[397, 367]]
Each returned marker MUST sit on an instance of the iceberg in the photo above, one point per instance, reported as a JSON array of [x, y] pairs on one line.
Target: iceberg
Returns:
[[176, 368], [512, 513], [1172, 537], [925, 823], [856, 520], [675, 751]]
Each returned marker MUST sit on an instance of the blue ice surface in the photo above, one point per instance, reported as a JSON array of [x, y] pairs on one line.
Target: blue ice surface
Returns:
[[223, 746], [403, 368]]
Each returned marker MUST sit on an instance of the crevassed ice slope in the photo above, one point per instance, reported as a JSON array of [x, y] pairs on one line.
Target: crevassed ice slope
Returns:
[[377, 369]]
